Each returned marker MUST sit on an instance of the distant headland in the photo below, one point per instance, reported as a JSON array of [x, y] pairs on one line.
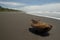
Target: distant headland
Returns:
[[2, 9]]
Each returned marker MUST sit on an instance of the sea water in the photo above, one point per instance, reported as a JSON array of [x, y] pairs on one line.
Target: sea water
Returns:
[[49, 15]]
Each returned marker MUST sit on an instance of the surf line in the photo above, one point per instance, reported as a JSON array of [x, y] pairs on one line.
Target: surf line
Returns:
[[46, 16]]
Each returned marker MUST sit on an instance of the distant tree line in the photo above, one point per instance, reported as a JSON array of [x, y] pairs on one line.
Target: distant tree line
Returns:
[[0, 6], [7, 9]]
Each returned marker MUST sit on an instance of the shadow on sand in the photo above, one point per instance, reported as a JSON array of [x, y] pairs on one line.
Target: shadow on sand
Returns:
[[43, 34]]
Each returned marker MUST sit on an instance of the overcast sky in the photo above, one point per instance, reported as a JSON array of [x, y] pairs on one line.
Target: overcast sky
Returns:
[[32, 6]]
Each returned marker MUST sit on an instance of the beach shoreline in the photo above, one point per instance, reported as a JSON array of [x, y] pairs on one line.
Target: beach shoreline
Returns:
[[15, 26]]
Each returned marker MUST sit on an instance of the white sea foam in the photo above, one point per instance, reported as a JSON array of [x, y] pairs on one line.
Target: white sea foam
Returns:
[[49, 15]]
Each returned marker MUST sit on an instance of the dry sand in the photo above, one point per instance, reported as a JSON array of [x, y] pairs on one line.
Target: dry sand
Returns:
[[15, 26]]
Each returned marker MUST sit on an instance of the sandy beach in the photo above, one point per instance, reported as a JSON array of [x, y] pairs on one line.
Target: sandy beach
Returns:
[[15, 26]]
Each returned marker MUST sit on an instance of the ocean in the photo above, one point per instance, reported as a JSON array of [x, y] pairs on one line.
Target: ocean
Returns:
[[49, 15]]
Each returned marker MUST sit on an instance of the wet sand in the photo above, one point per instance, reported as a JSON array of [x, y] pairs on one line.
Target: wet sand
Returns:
[[16, 26]]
